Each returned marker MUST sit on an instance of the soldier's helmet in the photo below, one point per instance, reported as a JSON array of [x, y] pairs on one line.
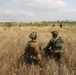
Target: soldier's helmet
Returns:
[[33, 35], [55, 32]]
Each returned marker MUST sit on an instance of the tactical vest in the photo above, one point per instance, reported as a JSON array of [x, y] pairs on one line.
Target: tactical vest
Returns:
[[56, 44], [33, 47]]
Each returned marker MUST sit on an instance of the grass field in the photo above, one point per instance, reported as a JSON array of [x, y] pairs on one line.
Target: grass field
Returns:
[[14, 39]]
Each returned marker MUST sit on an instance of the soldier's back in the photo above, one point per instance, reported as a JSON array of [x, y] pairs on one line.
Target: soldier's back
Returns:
[[35, 46]]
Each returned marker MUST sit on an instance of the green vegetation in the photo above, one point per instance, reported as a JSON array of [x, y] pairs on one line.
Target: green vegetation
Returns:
[[42, 23], [7, 24]]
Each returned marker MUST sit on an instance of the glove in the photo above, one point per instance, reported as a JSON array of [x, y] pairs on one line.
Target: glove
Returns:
[[32, 57], [58, 51]]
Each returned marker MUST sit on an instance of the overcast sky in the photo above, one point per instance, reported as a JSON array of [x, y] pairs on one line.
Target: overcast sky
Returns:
[[37, 10]]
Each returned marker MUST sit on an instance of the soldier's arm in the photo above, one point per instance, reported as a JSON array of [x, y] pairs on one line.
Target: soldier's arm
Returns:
[[27, 49], [48, 46]]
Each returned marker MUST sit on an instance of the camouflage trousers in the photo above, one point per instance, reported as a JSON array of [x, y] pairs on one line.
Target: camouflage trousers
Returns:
[[56, 55]]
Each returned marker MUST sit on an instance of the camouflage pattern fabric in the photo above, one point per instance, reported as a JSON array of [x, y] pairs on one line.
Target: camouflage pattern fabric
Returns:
[[56, 48], [55, 44], [32, 52]]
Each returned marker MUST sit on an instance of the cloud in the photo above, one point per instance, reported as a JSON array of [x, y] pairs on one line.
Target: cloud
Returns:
[[8, 3], [68, 10], [36, 10], [42, 3], [59, 5], [15, 12], [15, 15], [0, 8]]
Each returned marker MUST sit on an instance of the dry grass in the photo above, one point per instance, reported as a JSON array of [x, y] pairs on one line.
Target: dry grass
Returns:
[[13, 41]]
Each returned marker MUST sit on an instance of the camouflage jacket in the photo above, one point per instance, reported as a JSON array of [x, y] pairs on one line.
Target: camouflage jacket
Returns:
[[55, 44]]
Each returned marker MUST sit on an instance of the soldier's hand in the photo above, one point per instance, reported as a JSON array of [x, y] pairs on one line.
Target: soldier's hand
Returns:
[[32, 57], [57, 51], [61, 51]]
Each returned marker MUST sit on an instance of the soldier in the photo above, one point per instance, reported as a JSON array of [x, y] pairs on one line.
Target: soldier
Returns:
[[32, 50], [54, 47], [61, 25]]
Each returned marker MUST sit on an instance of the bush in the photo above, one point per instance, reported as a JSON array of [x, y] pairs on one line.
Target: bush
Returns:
[[8, 24]]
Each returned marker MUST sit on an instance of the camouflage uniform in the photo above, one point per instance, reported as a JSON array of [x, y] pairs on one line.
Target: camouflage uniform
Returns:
[[32, 50], [56, 47]]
